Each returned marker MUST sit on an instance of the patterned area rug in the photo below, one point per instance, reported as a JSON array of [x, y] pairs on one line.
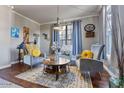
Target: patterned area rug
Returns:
[[72, 79], [7, 84]]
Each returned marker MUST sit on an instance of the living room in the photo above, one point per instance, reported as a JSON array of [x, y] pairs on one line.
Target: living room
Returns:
[[62, 46]]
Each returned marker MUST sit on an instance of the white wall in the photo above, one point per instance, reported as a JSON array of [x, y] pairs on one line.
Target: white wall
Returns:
[[20, 22], [8, 45], [87, 42], [45, 42], [5, 23]]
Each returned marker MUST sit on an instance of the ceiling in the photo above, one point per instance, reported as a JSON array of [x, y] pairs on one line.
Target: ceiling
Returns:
[[48, 13]]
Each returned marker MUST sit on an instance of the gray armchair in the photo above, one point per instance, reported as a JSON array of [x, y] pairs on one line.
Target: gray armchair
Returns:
[[93, 65], [97, 50]]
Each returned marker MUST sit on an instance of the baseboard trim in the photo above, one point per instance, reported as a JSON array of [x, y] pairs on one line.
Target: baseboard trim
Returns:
[[14, 62], [6, 66]]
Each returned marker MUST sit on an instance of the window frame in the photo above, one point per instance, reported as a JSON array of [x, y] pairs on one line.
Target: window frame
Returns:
[[108, 29], [66, 37]]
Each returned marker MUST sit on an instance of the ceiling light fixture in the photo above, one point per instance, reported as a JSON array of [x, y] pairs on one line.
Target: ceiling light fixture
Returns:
[[11, 6], [58, 26]]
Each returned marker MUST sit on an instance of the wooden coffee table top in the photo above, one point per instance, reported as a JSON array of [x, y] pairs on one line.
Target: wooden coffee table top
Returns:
[[51, 61]]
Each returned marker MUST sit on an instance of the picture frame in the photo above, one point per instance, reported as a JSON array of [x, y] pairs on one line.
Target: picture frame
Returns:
[[15, 31]]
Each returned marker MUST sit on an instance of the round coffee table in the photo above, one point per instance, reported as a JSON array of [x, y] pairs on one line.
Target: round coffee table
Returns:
[[56, 67]]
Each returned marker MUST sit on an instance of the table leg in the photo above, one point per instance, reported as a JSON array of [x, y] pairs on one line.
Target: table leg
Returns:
[[19, 55], [68, 68], [57, 72], [44, 69]]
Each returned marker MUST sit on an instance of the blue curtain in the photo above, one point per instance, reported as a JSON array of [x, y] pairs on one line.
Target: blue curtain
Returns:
[[76, 38], [54, 35]]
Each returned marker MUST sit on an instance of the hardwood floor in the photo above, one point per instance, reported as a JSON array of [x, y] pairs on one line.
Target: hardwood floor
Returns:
[[102, 82], [10, 73]]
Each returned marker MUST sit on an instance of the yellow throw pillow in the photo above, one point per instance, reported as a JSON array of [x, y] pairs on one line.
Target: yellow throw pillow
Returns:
[[33, 50], [86, 54], [36, 52]]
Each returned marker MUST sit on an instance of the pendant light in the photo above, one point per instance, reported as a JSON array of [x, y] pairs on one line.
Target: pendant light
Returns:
[[58, 26]]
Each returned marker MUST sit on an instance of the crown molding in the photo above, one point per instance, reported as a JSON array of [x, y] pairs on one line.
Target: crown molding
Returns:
[[71, 19], [66, 20], [26, 17]]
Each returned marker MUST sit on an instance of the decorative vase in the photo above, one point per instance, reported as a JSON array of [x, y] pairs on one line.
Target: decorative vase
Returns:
[[56, 49]]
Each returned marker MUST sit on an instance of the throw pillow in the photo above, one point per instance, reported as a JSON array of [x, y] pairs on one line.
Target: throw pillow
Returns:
[[86, 54]]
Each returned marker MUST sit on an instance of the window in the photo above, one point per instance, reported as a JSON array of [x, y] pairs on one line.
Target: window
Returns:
[[108, 30], [66, 35]]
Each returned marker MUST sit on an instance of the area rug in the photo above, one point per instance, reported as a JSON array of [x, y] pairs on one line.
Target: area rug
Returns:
[[7, 84], [72, 79]]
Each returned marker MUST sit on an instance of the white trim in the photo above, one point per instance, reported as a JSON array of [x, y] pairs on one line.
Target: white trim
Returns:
[[14, 62], [25, 17], [99, 8], [66, 20], [110, 72], [71, 19], [6, 66]]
